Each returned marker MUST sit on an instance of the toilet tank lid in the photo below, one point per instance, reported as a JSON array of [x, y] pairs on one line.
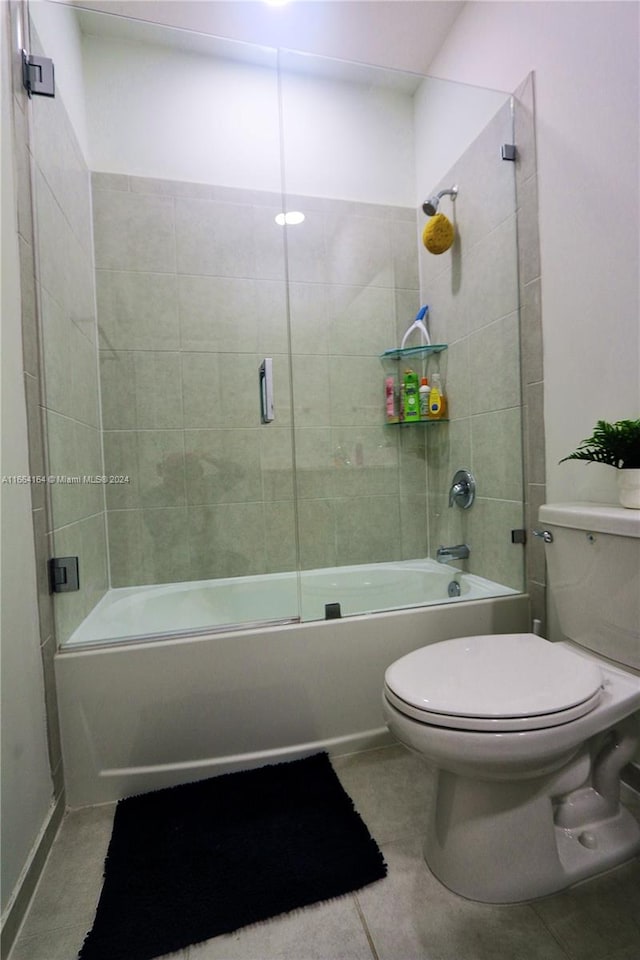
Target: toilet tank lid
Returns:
[[598, 517]]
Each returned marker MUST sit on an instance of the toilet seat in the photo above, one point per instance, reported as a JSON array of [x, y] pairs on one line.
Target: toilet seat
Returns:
[[496, 683]]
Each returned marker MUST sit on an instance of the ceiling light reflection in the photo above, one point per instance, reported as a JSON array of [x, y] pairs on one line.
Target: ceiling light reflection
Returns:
[[289, 219]]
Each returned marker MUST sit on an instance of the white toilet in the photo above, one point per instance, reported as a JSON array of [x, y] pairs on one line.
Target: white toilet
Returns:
[[528, 737]]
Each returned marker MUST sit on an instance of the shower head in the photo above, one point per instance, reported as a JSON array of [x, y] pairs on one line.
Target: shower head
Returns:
[[431, 205]]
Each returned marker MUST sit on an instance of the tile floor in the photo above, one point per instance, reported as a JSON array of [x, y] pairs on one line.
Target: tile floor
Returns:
[[407, 916]]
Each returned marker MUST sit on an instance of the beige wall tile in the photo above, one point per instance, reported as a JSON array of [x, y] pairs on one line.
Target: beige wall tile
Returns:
[[280, 539], [276, 462], [309, 313], [137, 311], [223, 466], [133, 232], [221, 390], [494, 374], [315, 462], [358, 249], [528, 238], [214, 239], [493, 555], [306, 250], [218, 314], [141, 389], [367, 529], [317, 532], [531, 332], [360, 320], [496, 459], [356, 385], [226, 540]]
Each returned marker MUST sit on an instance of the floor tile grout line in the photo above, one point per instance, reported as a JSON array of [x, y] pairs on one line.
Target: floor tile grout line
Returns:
[[551, 932], [365, 927]]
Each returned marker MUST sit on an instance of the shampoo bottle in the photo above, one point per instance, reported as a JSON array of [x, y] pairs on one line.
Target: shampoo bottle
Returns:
[[391, 395], [411, 409], [423, 400], [435, 398], [444, 406]]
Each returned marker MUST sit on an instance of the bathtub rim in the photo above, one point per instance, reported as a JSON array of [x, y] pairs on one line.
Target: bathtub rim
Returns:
[[203, 635], [426, 564], [250, 627]]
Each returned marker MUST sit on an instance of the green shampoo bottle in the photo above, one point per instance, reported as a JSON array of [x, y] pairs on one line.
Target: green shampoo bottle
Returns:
[[411, 405]]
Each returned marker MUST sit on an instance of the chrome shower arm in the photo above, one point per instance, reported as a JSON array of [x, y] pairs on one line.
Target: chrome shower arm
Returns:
[[431, 205]]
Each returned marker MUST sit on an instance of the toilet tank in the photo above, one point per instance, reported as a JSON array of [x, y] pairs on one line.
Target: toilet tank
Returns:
[[593, 576]]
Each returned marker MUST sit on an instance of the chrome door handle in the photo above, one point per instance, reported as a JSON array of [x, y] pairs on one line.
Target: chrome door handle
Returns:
[[265, 380]]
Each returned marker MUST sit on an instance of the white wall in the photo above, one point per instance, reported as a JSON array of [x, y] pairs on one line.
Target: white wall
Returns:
[[352, 139], [585, 58], [403, 34], [159, 112], [59, 34], [448, 118], [26, 783]]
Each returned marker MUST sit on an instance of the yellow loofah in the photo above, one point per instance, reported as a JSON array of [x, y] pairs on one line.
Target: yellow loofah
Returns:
[[438, 234]]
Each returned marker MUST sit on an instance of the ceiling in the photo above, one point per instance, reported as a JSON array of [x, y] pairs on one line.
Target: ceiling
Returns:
[[405, 34]]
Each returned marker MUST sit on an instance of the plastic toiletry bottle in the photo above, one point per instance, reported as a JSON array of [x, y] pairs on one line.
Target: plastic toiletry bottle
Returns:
[[435, 398], [391, 397], [411, 408], [423, 398], [444, 405]]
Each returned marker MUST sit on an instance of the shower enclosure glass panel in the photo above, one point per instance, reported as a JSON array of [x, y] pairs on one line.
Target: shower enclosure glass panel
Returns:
[[362, 148], [181, 170], [208, 210]]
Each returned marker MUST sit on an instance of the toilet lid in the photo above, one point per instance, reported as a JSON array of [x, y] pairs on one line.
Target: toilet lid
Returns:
[[514, 681]]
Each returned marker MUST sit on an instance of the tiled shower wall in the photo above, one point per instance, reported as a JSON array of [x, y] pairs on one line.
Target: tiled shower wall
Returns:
[[473, 289], [194, 288]]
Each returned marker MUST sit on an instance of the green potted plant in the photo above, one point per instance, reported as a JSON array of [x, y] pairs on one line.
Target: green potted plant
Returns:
[[618, 445]]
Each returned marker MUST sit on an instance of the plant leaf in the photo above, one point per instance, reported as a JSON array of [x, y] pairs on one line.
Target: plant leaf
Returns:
[[616, 444]]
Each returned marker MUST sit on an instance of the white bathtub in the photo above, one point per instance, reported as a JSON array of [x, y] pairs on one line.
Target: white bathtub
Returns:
[[129, 613], [140, 715]]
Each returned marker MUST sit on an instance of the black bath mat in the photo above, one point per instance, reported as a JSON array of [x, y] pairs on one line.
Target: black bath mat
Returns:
[[191, 862]]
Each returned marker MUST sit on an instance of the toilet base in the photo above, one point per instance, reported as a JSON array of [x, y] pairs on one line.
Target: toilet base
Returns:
[[498, 843]]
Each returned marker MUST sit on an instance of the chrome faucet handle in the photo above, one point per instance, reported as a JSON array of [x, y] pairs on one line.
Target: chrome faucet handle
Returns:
[[463, 489]]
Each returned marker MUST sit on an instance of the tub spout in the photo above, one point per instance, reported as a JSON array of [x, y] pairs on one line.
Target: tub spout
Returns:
[[459, 552]]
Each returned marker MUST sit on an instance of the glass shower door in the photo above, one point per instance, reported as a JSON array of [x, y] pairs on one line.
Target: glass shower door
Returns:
[[353, 273], [372, 495], [176, 298]]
